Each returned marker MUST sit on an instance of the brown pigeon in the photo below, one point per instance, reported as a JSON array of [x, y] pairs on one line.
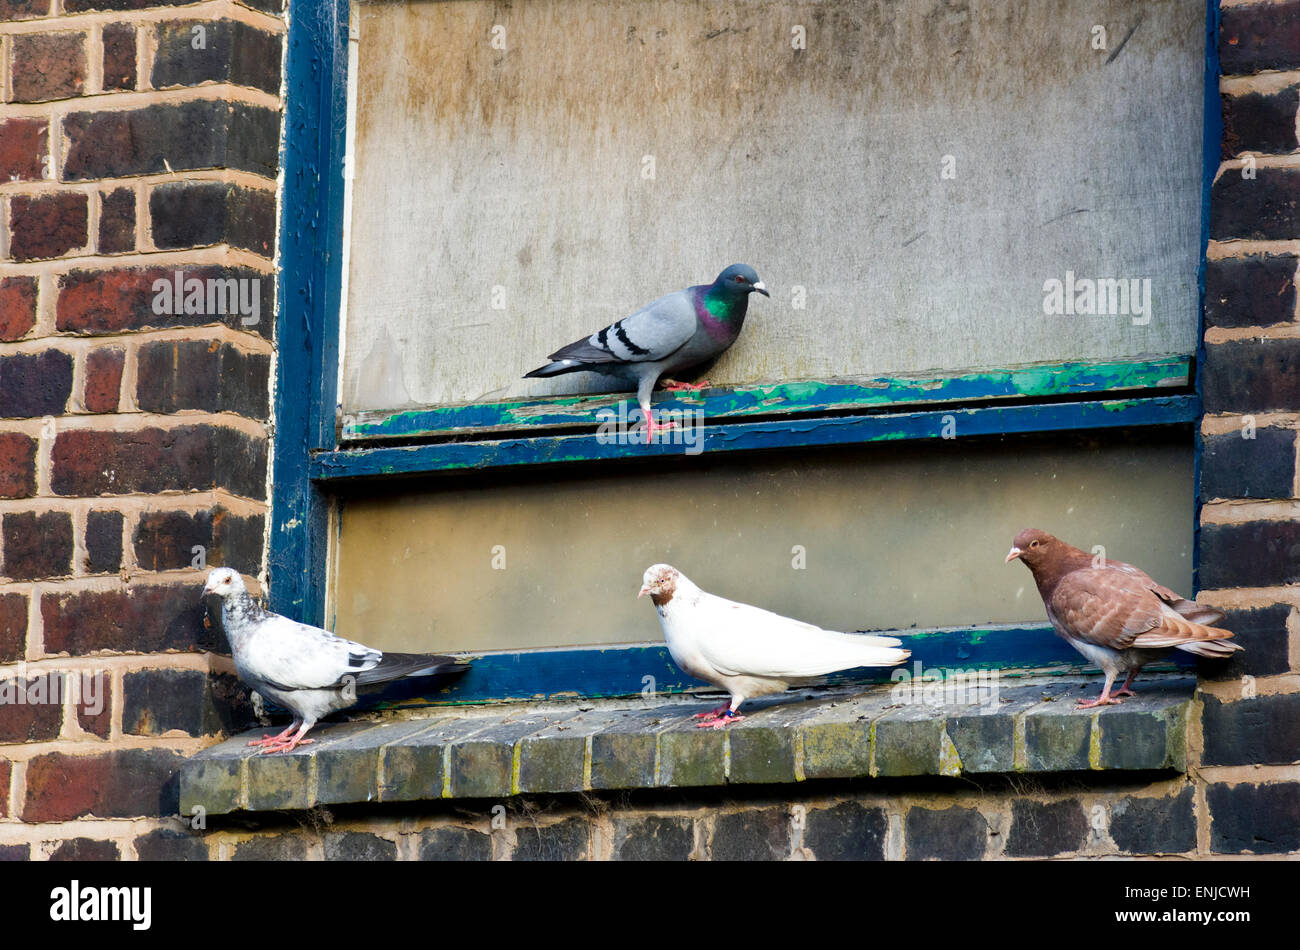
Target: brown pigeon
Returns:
[[1113, 613]]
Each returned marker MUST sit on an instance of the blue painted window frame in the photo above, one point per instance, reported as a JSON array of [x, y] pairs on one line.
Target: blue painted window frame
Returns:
[[309, 465]]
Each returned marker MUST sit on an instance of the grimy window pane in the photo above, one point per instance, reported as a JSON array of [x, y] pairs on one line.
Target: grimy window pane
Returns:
[[915, 173], [888, 537]]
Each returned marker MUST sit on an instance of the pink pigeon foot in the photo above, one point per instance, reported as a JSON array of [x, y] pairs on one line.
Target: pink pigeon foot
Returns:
[[721, 722], [1103, 700], [673, 386], [712, 714], [287, 746], [1127, 688], [651, 427], [273, 740]]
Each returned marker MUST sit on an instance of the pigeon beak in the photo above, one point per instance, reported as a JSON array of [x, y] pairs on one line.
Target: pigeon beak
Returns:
[[645, 589], [1012, 555], [758, 285]]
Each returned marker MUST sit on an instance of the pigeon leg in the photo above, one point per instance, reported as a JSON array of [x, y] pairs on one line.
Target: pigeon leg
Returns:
[[712, 714], [276, 740], [673, 386], [1105, 699], [1127, 688], [651, 427]]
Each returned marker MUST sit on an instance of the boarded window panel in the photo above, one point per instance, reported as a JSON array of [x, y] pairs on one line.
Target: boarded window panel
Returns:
[[522, 171], [892, 537]]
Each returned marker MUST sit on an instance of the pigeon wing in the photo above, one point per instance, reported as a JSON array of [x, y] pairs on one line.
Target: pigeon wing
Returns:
[[653, 333], [742, 640], [291, 655], [1120, 607]]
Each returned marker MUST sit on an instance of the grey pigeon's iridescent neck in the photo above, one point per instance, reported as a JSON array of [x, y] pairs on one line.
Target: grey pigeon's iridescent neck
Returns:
[[721, 309]]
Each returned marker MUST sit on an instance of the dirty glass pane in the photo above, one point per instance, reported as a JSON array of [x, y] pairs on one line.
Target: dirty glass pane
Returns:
[[883, 536], [914, 173]]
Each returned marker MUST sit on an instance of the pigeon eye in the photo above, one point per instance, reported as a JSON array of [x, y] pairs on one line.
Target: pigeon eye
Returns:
[[1033, 544], [742, 280]]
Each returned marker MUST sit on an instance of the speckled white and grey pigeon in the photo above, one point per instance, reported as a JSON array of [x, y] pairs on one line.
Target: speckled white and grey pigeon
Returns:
[[749, 651], [305, 669], [685, 330]]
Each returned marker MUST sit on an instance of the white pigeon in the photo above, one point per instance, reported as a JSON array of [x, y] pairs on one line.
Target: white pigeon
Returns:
[[305, 669], [749, 651]]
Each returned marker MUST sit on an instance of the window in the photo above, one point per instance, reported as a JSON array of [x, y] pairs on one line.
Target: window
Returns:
[[982, 233]]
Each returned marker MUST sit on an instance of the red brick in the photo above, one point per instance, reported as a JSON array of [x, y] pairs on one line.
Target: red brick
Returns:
[[17, 465], [99, 687], [17, 304], [46, 226], [23, 9], [104, 378], [48, 66], [111, 301], [31, 710], [24, 145], [136, 620], [187, 458], [85, 849], [13, 627], [119, 56], [125, 783]]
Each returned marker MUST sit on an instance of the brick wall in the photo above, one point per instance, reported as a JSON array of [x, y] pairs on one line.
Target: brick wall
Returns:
[[137, 140], [127, 438]]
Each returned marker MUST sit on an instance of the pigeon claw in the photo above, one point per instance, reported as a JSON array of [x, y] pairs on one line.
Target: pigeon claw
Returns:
[[272, 740], [712, 714], [673, 386], [721, 722], [1102, 700], [651, 427], [287, 746]]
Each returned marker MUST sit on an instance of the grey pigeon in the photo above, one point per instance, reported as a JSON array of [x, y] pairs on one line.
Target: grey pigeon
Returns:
[[684, 330], [305, 669]]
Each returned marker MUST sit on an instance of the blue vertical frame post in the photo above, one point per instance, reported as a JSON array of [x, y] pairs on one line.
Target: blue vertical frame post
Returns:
[[307, 330]]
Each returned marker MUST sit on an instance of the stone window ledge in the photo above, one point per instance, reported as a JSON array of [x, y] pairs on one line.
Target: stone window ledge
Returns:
[[848, 732]]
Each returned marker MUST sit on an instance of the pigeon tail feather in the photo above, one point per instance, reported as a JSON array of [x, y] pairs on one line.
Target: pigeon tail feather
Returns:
[[395, 666]]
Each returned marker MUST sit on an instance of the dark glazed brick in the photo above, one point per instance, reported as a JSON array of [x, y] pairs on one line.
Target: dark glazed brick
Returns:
[[907, 746], [1263, 208], [157, 701], [13, 631], [17, 465], [126, 783], [847, 832], [1259, 819], [1256, 122], [31, 710], [1131, 738], [199, 214], [1259, 36], [1263, 636], [167, 845], [231, 51], [149, 461], [1154, 825], [1259, 467], [1264, 730], [199, 374], [206, 133], [1040, 831], [35, 384], [24, 145], [753, 835], [565, 841], [1252, 376], [455, 844], [17, 304], [358, 846], [136, 620], [1251, 554], [984, 743], [113, 301], [103, 542], [95, 704], [949, 834], [47, 226], [104, 379], [119, 56], [117, 221], [654, 839], [48, 66], [85, 849], [1057, 741], [37, 546], [761, 755], [14, 852], [1252, 291], [165, 540], [287, 847]]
